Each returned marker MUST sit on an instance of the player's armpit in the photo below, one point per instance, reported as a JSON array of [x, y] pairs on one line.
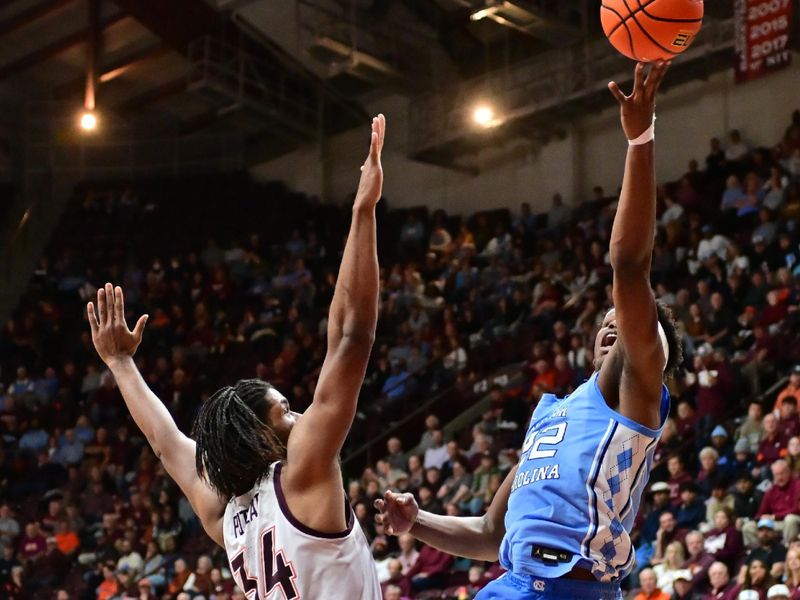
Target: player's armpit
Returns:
[[177, 454]]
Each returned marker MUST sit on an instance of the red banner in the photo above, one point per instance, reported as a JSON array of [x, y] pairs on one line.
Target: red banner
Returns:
[[763, 37]]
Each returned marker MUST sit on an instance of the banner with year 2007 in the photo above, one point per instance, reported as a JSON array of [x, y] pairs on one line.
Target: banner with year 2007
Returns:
[[763, 36]]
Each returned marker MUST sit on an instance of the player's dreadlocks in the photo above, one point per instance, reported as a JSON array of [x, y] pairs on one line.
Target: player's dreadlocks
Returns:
[[235, 447], [674, 343]]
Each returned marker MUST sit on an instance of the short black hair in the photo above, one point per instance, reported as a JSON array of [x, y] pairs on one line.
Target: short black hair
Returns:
[[674, 342], [235, 446]]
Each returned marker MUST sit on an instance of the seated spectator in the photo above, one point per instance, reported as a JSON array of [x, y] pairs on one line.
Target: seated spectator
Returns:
[[779, 506], [720, 500], [667, 569], [396, 458], [456, 488], [772, 444], [396, 579], [649, 589], [724, 541], [710, 470], [668, 532], [737, 151], [720, 584], [431, 425], [769, 548], [755, 576], [408, 552], [789, 422], [752, 429], [778, 592], [430, 570], [682, 585], [746, 499], [792, 389], [697, 562], [692, 509]]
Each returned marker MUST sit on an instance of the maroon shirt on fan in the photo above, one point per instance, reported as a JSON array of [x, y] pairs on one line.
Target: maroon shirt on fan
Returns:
[[781, 501]]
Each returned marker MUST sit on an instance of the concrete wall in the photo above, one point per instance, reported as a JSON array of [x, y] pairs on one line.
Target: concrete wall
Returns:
[[592, 153]]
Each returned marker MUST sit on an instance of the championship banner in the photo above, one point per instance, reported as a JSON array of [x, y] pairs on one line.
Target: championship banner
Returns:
[[763, 37]]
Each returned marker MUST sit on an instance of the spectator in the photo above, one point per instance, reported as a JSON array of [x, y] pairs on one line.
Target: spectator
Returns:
[[396, 579], [408, 552], [692, 509], [772, 444], [792, 569], [395, 458], [769, 550], [430, 570], [747, 500], [431, 425], [737, 150], [649, 589], [778, 592], [756, 577], [670, 567], [683, 586], [436, 455], [792, 389], [677, 477], [9, 527], [697, 562], [722, 588], [779, 506], [724, 542]]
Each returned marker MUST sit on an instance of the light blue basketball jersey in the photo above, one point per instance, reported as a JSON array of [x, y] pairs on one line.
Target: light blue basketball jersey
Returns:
[[581, 475]]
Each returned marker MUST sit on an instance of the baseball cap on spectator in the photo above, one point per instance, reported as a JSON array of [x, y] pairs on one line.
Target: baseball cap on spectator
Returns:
[[778, 591], [719, 431], [758, 239], [748, 595], [684, 574], [763, 522], [742, 445], [659, 486]]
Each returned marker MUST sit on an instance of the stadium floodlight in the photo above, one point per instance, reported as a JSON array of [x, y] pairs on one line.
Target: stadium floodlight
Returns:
[[484, 115], [88, 121]]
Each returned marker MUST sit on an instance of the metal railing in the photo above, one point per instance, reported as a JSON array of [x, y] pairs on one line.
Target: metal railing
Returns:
[[546, 81]]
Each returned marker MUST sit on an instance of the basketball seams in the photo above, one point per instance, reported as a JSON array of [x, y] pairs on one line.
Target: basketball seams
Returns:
[[622, 19], [647, 33], [643, 8], [628, 31]]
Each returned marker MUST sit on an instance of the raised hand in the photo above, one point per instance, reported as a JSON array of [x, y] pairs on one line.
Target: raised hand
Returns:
[[371, 183], [637, 109], [110, 334], [397, 512]]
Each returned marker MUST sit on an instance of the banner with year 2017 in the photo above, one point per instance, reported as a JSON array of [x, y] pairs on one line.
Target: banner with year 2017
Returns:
[[763, 36]]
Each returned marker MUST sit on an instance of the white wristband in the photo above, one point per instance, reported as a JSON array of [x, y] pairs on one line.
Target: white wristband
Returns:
[[648, 135]]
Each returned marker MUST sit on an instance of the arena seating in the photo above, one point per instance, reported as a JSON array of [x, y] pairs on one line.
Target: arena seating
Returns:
[[237, 277]]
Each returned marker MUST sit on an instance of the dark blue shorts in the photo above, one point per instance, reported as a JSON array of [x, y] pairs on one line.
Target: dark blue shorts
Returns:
[[526, 587]]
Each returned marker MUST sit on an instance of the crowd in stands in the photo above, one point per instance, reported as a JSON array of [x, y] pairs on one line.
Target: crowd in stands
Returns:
[[237, 279]]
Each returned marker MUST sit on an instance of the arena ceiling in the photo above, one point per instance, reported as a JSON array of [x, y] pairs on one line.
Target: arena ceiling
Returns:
[[280, 72]]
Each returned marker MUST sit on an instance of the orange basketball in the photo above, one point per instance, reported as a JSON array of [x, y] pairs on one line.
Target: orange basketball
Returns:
[[650, 30]]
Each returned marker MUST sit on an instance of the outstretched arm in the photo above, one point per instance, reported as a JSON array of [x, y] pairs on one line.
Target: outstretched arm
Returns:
[[315, 442], [631, 250], [116, 345], [477, 538]]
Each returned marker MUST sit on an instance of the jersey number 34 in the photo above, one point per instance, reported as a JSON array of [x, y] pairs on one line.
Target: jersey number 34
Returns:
[[276, 571]]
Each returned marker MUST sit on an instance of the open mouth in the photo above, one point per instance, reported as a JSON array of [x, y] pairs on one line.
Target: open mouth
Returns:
[[608, 340]]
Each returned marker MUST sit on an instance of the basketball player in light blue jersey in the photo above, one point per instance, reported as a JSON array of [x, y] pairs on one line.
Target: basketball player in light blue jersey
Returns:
[[561, 521]]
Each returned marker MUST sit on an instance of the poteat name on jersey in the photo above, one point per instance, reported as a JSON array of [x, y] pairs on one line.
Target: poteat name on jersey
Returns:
[[243, 517]]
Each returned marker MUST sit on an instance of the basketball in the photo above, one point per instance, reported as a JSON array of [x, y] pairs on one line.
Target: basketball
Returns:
[[651, 30]]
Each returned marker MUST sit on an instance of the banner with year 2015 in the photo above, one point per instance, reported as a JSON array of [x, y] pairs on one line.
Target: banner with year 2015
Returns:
[[763, 37]]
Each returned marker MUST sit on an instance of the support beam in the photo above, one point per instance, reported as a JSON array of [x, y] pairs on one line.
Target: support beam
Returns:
[[113, 70], [92, 54], [54, 48], [29, 15], [151, 96]]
